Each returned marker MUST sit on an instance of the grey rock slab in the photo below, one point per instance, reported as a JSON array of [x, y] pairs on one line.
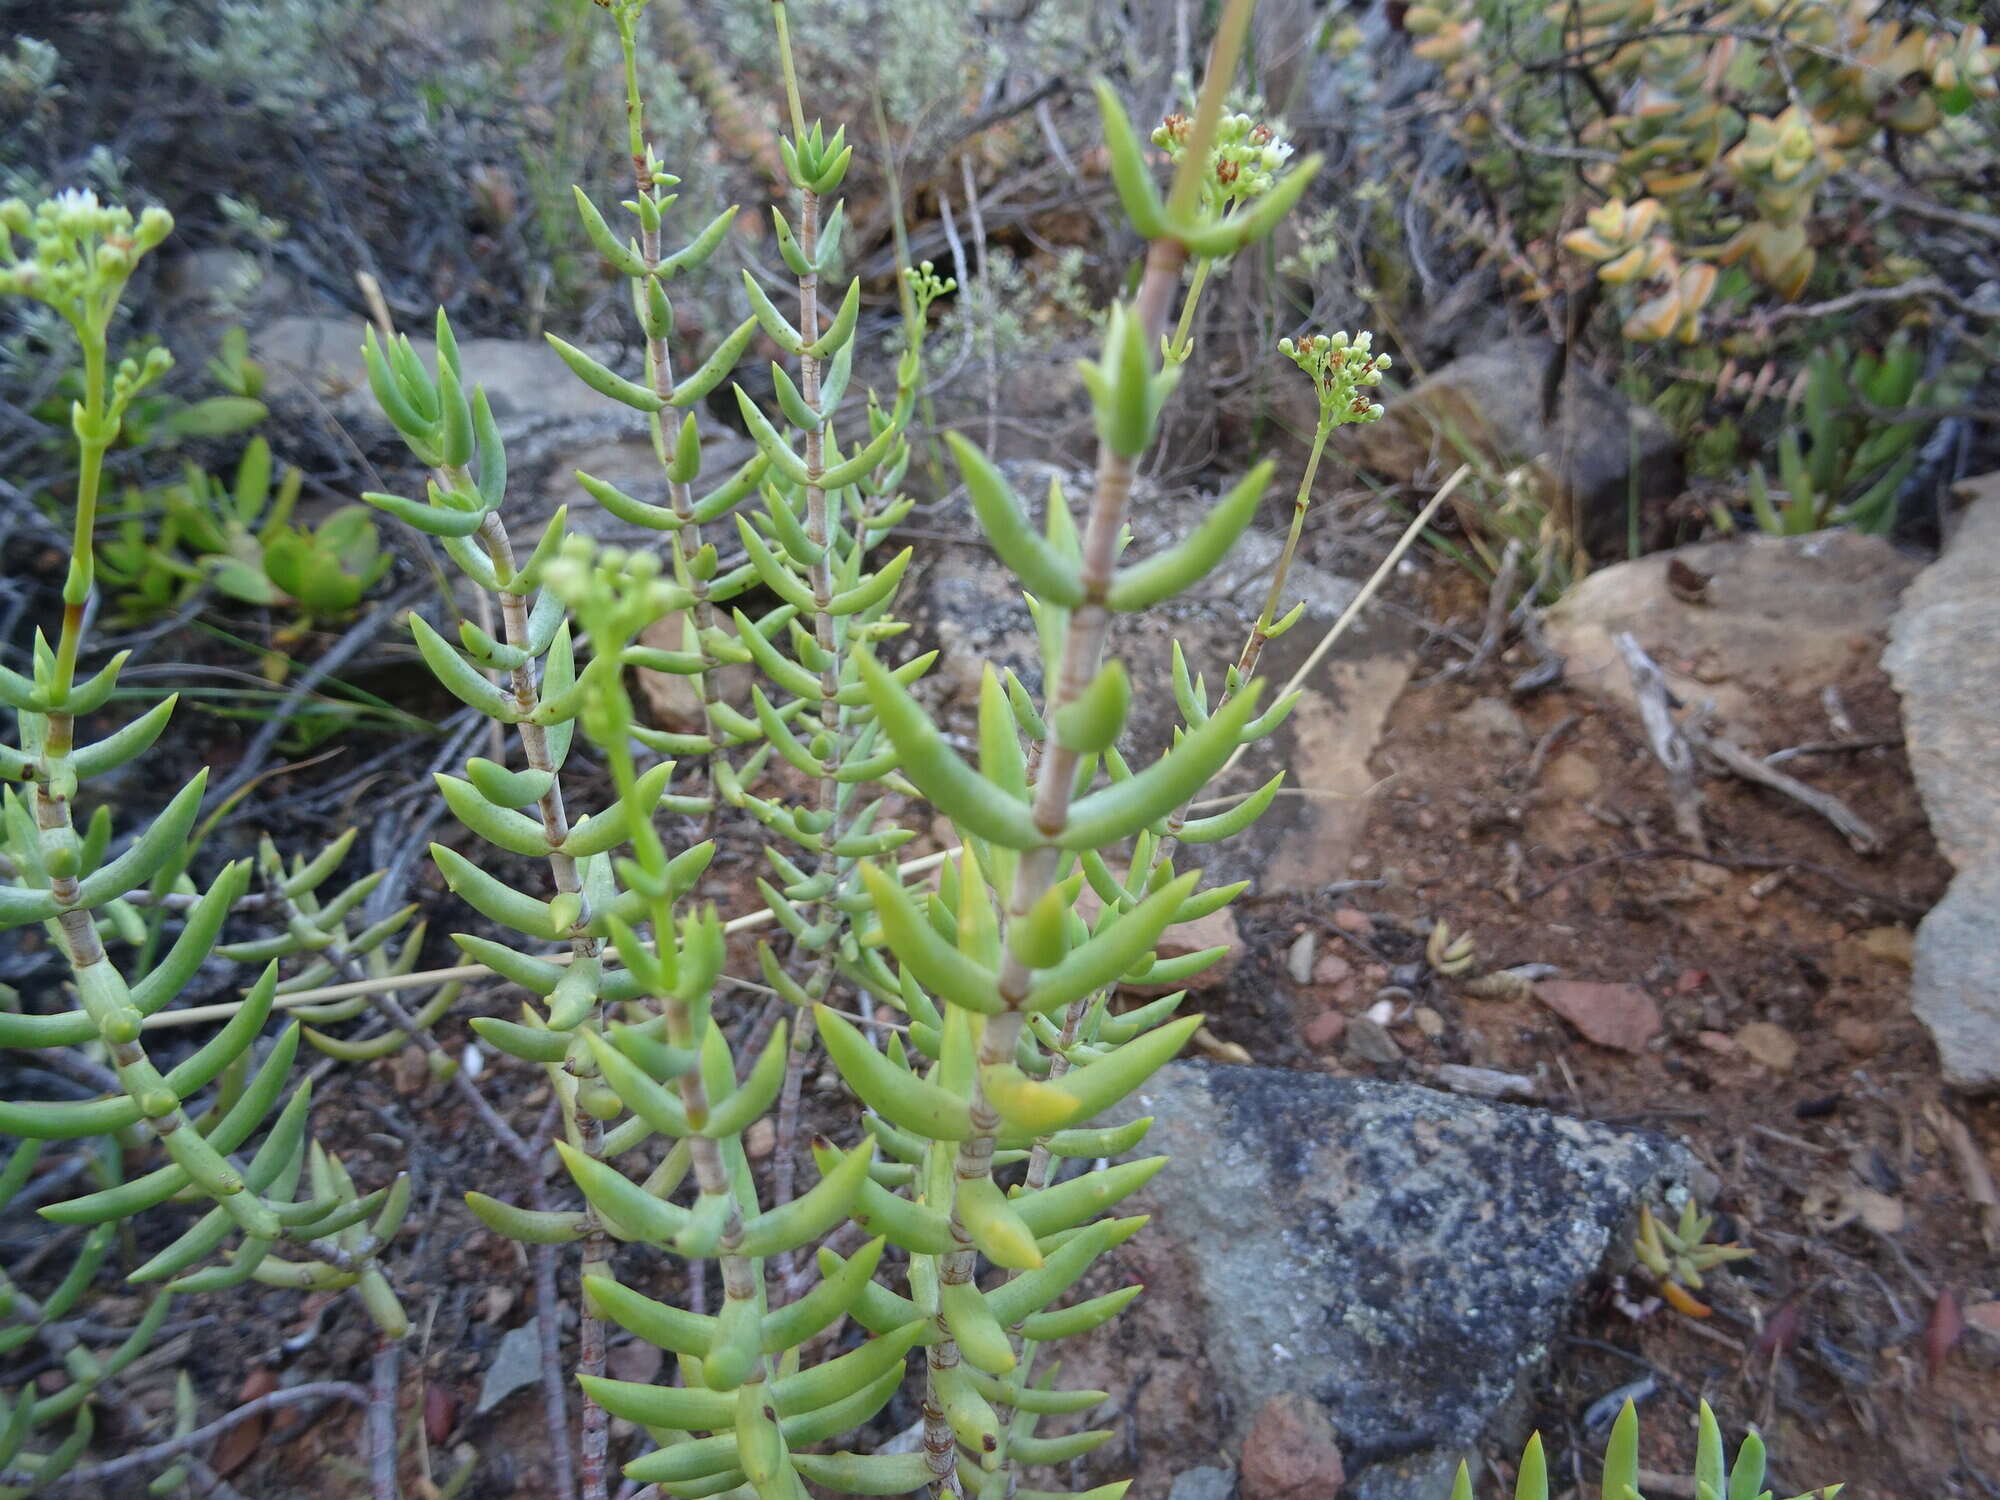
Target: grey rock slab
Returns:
[[552, 423], [1403, 1256], [320, 357], [1944, 657], [1955, 979]]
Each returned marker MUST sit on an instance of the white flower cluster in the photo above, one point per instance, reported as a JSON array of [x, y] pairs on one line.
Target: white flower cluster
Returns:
[[74, 246], [1245, 160], [1344, 370]]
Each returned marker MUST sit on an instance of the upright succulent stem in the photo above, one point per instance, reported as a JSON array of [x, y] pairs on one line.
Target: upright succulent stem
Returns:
[[819, 983], [686, 539], [585, 1133], [1055, 781]]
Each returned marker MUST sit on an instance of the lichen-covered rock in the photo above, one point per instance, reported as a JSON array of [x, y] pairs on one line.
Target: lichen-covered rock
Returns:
[[1402, 1257]]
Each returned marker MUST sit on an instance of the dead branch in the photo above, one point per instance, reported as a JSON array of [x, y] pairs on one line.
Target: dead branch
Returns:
[[1740, 762], [1670, 746]]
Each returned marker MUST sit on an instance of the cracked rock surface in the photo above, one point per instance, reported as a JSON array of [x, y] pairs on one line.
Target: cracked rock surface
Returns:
[[1402, 1257]]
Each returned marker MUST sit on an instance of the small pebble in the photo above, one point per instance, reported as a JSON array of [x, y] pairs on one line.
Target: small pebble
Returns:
[[1324, 1029], [1368, 1041], [1331, 969], [1299, 961], [1429, 1022], [1862, 1038]]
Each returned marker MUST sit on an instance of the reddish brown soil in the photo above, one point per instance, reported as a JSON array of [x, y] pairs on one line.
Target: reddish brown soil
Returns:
[[1821, 1338]]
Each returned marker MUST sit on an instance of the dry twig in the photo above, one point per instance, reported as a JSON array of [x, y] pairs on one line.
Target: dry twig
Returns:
[[1670, 745], [1971, 1163], [1735, 759]]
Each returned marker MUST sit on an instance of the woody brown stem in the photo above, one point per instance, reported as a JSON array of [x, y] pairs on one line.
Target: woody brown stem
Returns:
[[1082, 658]]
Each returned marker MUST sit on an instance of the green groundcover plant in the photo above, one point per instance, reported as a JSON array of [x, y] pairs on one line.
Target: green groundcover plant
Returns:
[[965, 1000]]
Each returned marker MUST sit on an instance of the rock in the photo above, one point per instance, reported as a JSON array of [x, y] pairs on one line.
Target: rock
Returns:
[[1620, 1016], [1771, 1045], [320, 358], [516, 1363], [1583, 462], [1941, 657], [1493, 721], [1205, 1483], [209, 289], [1782, 616], [1429, 1022], [1292, 1452], [1299, 957], [552, 422], [1331, 968], [1955, 982], [1368, 1041], [1216, 930], [1862, 1038], [1942, 660], [635, 1360], [1894, 944], [1572, 777], [1361, 1243], [1485, 1083], [1324, 1029]]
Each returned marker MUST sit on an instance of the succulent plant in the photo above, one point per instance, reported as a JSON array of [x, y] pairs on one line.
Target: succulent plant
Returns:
[[1715, 1477], [1679, 1254], [240, 540], [75, 883], [968, 1002]]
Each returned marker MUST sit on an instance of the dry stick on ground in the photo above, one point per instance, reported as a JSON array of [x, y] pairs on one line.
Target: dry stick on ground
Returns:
[[1736, 759], [1971, 1163], [171, 1450], [548, 1304], [1670, 746], [1499, 602], [986, 304]]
